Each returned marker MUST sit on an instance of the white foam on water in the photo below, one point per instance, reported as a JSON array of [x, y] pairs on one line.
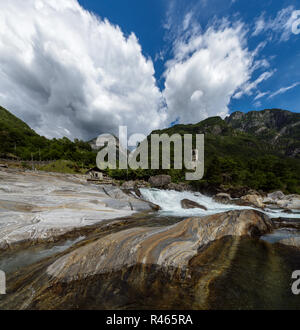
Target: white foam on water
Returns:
[[170, 204]]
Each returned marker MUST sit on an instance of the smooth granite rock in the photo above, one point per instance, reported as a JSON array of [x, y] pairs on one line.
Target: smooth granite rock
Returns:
[[188, 204]]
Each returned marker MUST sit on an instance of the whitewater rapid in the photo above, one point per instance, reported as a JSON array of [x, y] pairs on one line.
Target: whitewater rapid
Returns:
[[170, 204]]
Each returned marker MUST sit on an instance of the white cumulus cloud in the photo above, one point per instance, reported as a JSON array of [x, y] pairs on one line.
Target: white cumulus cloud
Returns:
[[208, 69], [65, 71]]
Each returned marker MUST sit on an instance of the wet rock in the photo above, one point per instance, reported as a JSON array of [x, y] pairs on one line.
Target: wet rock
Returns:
[[39, 207], [162, 267], [160, 181], [168, 247], [291, 241], [179, 187], [290, 202], [253, 192], [223, 198], [254, 200], [188, 204], [122, 200], [276, 195], [293, 223]]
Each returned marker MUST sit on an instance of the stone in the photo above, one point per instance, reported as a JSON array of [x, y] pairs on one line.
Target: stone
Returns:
[[188, 204], [132, 185], [48, 207], [160, 181], [179, 187], [144, 245], [128, 185], [151, 267], [137, 245], [291, 202], [276, 195], [222, 198], [254, 200], [291, 241]]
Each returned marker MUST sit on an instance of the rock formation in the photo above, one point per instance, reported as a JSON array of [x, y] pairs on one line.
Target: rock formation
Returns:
[[188, 204], [160, 181], [222, 198], [183, 266]]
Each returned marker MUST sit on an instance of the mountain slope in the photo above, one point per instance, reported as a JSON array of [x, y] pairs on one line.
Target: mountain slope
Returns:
[[257, 149], [14, 132], [18, 140], [279, 128]]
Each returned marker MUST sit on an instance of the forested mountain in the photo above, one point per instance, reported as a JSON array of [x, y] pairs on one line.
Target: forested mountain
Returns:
[[258, 149], [18, 140]]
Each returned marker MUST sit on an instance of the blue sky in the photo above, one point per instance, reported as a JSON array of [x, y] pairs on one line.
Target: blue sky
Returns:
[[147, 19], [78, 68]]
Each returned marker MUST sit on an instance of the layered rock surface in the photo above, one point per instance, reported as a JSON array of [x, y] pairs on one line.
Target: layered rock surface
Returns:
[[137, 265], [172, 246], [41, 207]]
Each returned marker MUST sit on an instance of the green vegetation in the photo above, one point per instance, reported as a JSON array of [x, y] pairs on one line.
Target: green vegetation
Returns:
[[259, 150], [63, 166], [19, 141]]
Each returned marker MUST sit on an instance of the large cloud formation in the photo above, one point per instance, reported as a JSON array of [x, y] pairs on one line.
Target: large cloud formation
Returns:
[[208, 69], [67, 72]]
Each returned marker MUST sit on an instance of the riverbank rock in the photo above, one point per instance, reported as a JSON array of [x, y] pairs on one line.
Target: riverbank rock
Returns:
[[168, 247], [119, 199], [223, 198], [132, 185], [160, 181], [151, 267], [276, 195], [128, 185], [277, 199], [40, 207], [292, 241], [179, 187], [293, 223], [290, 202], [254, 200], [188, 204]]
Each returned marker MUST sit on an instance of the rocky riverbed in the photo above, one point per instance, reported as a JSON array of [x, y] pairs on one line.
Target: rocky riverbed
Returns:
[[37, 207], [67, 244]]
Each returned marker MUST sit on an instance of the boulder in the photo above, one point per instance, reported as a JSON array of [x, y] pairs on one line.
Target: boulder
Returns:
[[293, 223], [254, 200], [222, 198], [160, 181], [188, 204], [290, 202], [291, 241], [179, 187], [276, 195], [114, 270], [120, 199], [167, 247], [128, 185], [132, 185], [253, 192], [236, 192]]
